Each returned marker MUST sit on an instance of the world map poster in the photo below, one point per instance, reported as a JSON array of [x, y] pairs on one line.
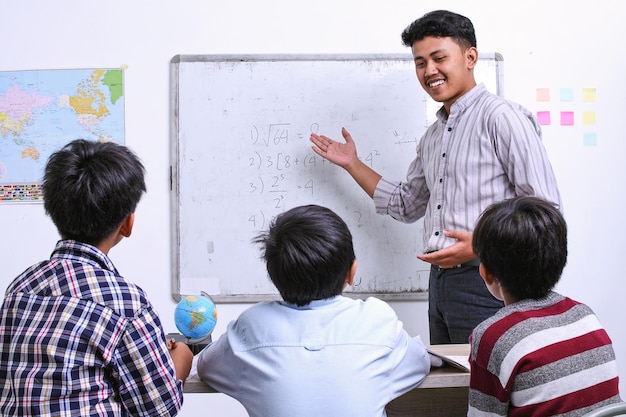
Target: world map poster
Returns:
[[42, 110]]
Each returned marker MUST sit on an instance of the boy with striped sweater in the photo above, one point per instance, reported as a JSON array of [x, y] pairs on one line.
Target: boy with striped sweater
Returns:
[[543, 354]]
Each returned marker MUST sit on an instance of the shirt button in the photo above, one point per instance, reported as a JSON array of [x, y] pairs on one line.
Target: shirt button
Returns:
[[439, 207], [449, 129], [436, 233], [440, 179], [313, 347], [443, 155]]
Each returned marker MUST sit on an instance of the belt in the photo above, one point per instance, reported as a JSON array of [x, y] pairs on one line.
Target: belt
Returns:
[[473, 262]]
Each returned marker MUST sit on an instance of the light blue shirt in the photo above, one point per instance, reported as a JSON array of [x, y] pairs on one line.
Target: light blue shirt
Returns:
[[488, 149], [335, 357]]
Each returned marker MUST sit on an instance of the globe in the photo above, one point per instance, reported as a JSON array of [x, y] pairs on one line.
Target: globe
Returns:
[[195, 316]]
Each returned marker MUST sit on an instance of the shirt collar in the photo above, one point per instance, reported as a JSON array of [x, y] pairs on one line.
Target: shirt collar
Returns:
[[83, 252], [315, 304], [462, 103]]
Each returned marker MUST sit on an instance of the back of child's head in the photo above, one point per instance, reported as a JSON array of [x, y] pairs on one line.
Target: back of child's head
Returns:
[[89, 188], [522, 241], [308, 251], [441, 24]]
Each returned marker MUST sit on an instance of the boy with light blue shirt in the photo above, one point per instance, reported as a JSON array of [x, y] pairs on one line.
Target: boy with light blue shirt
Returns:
[[316, 353]]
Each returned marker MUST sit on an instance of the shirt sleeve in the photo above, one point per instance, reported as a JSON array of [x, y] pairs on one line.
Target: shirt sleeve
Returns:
[[217, 364], [519, 147], [404, 201], [487, 397], [146, 372], [411, 364]]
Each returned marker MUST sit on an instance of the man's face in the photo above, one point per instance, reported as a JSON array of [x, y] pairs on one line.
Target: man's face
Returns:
[[444, 69]]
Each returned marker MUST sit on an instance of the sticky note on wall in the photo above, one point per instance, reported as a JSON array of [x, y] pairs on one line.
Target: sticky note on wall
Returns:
[[589, 94], [567, 118], [543, 94], [589, 117], [590, 139], [543, 117], [567, 94]]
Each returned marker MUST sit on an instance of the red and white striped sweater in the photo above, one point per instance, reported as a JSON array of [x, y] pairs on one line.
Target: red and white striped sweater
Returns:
[[541, 358]]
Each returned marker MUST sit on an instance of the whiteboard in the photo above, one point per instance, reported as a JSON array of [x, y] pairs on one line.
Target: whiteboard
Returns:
[[240, 155]]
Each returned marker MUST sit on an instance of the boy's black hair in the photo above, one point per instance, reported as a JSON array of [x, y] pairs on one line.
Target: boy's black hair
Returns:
[[522, 241], [308, 251], [90, 187]]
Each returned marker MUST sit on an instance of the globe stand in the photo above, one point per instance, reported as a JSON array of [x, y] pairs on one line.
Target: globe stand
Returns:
[[195, 345]]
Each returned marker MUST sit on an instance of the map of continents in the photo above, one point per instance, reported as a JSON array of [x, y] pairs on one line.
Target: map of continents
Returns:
[[42, 110]]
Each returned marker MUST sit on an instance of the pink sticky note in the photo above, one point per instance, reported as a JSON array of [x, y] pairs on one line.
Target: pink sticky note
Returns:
[[543, 117], [567, 118]]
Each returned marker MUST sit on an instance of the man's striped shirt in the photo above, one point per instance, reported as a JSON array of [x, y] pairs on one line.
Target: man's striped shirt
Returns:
[[488, 149]]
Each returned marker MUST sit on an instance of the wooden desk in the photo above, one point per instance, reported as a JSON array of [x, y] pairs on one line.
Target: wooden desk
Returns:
[[443, 393]]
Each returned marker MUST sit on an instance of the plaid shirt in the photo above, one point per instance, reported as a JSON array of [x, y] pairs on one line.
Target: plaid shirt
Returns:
[[76, 338]]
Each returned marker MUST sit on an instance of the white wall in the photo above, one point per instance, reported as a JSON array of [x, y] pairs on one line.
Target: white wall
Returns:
[[552, 44]]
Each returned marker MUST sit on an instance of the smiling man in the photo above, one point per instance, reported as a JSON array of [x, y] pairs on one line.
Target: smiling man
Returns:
[[481, 149]]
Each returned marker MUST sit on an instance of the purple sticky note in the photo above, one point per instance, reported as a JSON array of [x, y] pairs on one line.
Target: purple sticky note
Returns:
[[543, 117], [567, 118]]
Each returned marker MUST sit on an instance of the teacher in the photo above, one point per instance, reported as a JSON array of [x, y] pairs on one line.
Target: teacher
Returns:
[[481, 149]]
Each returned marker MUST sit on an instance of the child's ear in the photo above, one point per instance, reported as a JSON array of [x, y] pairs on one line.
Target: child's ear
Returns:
[[126, 228], [486, 275], [351, 274]]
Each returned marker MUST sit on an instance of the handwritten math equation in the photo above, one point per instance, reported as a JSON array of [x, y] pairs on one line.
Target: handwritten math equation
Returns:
[[282, 162], [282, 170]]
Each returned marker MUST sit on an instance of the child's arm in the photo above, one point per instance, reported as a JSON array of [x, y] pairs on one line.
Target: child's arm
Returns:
[[182, 357]]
